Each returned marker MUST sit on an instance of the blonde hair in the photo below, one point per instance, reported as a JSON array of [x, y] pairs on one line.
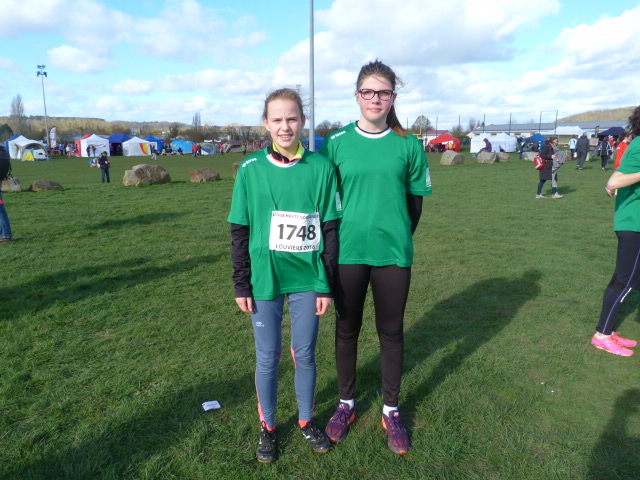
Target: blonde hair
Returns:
[[283, 94]]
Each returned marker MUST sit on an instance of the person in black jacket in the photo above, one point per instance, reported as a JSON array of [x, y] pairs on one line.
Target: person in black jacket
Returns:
[[582, 149], [105, 165], [548, 154]]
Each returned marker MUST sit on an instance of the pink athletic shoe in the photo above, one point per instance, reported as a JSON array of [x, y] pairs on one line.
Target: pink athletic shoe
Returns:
[[611, 346], [623, 342]]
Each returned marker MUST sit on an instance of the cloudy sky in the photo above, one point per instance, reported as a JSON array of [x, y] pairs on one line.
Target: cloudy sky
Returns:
[[166, 60]]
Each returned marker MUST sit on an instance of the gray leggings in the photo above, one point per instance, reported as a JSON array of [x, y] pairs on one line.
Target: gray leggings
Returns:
[[267, 330]]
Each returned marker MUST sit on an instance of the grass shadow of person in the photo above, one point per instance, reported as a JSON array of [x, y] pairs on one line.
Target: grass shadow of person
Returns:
[[468, 319], [144, 219], [77, 284], [139, 441], [617, 454]]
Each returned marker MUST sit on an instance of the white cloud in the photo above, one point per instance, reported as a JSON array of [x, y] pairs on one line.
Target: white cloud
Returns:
[[132, 87], [617, 52], [440, 33], [75, 60], [114, 105]]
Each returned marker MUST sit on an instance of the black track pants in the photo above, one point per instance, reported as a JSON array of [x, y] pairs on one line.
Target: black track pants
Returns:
[[390, 288]]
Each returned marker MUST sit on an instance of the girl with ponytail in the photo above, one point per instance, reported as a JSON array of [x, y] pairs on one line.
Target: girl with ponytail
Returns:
[[383, 174]]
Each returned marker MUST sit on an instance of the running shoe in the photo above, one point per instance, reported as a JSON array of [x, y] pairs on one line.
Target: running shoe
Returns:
[[338, 426], [610, 345], [266, 452], [397, 437], [623, 342], [540, 196], [316, 438]]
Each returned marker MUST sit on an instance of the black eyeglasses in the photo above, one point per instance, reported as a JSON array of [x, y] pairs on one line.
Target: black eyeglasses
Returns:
[[367, 94]]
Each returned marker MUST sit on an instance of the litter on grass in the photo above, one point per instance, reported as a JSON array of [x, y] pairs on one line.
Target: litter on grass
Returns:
[[211, 405]]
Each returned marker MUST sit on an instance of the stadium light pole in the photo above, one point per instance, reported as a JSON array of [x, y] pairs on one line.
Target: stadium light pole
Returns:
[[555, 128], [312, 113], [42, 74]]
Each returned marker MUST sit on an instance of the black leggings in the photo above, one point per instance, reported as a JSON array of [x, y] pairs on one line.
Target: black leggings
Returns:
[[625, 278], [390, 289]]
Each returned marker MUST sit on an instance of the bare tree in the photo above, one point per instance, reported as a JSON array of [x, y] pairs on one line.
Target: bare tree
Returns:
[[324, 128], [473, 123], [197, 123], [245, 132], [421, 125], [457, 131], [17, 117], [174, 130]]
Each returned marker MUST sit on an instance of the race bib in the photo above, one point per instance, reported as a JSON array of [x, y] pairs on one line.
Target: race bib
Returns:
[[294, 232]]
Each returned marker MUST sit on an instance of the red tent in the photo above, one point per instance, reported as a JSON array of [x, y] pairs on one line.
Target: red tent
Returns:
[[445, 138]]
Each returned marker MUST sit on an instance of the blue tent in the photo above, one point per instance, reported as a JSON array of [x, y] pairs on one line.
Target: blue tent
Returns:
[[115, 142], [319, 141], [185, 145], [119, 138], [538, 137], [613, 131], [158, 141]]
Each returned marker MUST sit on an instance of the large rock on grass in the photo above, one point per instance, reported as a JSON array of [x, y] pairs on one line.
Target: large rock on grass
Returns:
[[45, 186], [529, 156], [502, 157], [486, 157], [204, 175], [452, 158], [145, 174]]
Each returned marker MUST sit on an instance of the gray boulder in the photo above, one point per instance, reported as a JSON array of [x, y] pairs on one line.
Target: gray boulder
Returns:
[[452, 158], [45, 186], [145, 174], [487, 157], [204, 175], [502, 157], [529, 156]]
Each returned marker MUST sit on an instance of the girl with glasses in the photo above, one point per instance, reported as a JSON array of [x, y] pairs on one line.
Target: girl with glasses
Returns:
[[383, 175]]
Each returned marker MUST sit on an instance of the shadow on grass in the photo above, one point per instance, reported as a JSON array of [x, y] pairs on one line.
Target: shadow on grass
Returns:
[[617, 455], [462, 324], [146, 219], [135, 445], [74, 285]]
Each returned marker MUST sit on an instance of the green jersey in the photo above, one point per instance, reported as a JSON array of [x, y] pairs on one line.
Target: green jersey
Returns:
[[627, 216], [375, 174], [284, 204]]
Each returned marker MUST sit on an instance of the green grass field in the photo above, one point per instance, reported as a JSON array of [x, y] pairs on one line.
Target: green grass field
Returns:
[[117, 320]]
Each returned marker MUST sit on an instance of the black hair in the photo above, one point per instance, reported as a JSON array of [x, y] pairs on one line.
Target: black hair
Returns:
[[634, 122]]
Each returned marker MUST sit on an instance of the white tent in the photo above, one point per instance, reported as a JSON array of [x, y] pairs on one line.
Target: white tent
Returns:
[[101, 144], [136, 147], [504, 142], [499, 141], [21, 148], [13, 146]]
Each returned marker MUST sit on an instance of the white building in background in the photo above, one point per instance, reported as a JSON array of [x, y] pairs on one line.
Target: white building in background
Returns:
[[562, 130]]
